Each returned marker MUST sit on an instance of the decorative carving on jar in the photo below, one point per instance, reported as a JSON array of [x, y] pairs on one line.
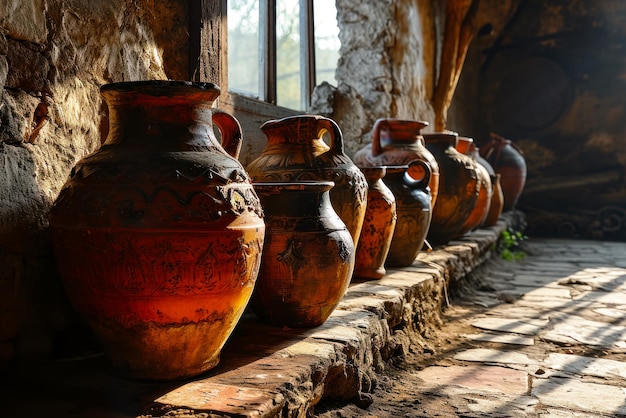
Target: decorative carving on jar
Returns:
[[378, 226], [458, 187], [308, 257], [296, 151], [158, 234], [397, 142]]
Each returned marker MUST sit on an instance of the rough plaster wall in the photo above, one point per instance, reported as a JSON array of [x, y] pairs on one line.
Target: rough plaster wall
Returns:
[[385, 66], [569, 123], [54, 56]]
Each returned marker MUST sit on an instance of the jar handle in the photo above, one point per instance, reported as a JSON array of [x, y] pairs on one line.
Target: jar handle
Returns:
[[230, 128], [336, 137], [376, 147], [418, 174]]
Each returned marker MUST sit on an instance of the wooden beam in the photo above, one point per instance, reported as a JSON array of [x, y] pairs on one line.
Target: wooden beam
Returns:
[[208, 47]]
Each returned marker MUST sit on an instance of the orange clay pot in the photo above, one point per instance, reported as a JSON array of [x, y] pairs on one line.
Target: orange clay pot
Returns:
[[481, 209], [158, 234], [458, 188], [508, 161], [378, 226], [296, 151], [308, 257], [397, 142], [409, 185], [497, 203]]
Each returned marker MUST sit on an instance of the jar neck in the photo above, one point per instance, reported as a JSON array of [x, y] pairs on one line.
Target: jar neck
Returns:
[[441, 139], [175, 122]]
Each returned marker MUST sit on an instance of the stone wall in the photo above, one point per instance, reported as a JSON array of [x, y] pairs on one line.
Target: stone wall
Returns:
[[54, 56]]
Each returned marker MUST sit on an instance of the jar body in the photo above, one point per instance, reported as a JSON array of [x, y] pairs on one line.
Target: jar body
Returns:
[[378, 226], [497, 204], [508, 161], [296, 152], [458, 188], [158, 234], [483, 202], [308, 257]]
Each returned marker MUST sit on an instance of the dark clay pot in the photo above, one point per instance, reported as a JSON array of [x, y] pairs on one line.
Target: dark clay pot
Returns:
[[409, 185], [507, 160], [458, 188], [158, 234], [308, 256], [378, 226]]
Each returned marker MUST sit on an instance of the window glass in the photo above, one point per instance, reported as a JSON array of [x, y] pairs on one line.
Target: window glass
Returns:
[[243, 47], [288, 66], [326, 41]]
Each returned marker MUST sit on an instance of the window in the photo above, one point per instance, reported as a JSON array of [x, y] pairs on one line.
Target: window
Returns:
[[278, 50]]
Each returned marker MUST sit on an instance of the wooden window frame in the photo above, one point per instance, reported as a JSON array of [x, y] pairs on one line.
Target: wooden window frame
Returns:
[[208, 47]]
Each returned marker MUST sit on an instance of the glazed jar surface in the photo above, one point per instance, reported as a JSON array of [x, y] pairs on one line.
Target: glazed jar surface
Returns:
[[459, 187], [308, 257], [378, 226], [296, 151], [397, 142], [158, 234], [409, 185]]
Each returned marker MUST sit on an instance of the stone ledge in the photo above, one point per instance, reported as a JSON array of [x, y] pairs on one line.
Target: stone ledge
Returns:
[[267, 372]]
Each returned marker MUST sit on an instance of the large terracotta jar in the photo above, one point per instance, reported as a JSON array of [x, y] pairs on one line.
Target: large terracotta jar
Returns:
[[158, 234], [508, 161], [296, 151], [378, 226], [397, 142], [308, 257], [459, 187], [409, 185], [476, 218]]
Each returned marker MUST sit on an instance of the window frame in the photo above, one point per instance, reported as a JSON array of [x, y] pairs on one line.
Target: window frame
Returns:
[[268, 47]]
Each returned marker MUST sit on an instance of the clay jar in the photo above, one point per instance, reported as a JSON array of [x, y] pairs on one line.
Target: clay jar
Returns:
[[295, 151], [497, 198], [508, 161], [476, 218], [409, 185], [497, 203], [158, 234], [397, 142], [308, 257], [459, 187], [378, 226]]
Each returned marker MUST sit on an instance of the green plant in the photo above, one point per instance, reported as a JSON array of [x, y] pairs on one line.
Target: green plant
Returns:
[[508, 246]]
